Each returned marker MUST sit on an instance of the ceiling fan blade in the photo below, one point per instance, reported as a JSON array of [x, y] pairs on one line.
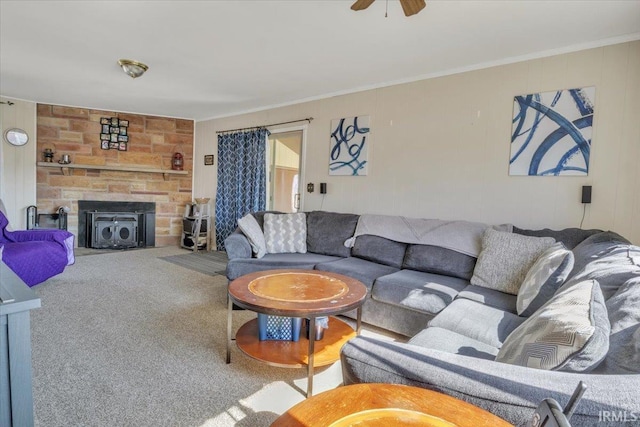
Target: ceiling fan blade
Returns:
[[361, 4], [411, 7]]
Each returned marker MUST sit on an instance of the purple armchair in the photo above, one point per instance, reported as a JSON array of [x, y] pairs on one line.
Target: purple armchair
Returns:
[[35, 255]]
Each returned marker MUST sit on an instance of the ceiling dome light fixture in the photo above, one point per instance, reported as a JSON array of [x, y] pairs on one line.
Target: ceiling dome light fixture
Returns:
[[133, 68]]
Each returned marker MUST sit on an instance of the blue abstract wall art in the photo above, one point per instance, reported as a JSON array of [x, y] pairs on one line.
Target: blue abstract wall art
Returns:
[[349, 146], [551, 133]]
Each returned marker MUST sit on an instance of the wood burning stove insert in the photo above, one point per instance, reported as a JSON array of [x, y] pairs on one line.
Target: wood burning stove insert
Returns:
[[116, 225], [117, 230]]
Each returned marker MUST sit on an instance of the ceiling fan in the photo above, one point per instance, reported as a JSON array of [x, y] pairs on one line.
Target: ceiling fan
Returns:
[[410, 7]]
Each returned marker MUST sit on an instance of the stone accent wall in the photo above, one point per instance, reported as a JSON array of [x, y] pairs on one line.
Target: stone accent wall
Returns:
[[152, 142]]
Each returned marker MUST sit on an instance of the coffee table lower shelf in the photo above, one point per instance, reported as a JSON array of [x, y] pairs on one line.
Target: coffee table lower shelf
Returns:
[[294, 354]]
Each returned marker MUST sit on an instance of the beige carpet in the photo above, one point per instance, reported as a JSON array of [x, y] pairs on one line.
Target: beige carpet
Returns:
[[127, 339]]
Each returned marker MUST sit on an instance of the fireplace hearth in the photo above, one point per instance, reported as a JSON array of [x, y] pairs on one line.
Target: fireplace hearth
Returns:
[[116, 225]]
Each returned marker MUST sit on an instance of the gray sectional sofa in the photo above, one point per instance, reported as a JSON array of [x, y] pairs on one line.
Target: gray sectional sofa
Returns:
[[457, 329]]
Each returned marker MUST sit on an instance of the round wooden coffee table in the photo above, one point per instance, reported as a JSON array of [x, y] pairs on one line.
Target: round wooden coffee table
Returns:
[[373, 405], [296, 293]]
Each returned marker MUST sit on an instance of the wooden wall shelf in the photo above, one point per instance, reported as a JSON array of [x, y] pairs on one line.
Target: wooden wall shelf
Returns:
[[65, 168]]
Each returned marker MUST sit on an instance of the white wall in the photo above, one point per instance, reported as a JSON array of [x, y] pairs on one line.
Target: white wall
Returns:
[[18, 164], [439, 148]]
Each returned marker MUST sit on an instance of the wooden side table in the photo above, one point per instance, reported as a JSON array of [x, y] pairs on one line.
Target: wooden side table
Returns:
[[295, 293], [386, 405]]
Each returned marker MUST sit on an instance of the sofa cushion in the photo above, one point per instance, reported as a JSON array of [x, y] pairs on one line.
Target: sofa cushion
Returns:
[[451, 342], [425, 292], [285, 233], [544, 278], [624, 341], [608, 258], [327, 232], [505, 259], [486, 296], [251, 229], [380, 250], [478, 321], [438, 260], [571, 237], [569, 333], [365, 271], [241, 266]]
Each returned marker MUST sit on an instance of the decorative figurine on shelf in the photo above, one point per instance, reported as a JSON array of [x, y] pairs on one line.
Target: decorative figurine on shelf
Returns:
[[177, 162], [48, 155]]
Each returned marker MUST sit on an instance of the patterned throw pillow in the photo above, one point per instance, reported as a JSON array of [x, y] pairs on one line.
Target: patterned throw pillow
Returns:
[[544, 278], [250, 228], [285, 233], [569, 333], [506, 258]]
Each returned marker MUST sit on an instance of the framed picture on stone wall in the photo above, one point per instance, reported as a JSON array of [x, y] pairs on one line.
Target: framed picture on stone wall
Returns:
[[114, 134]]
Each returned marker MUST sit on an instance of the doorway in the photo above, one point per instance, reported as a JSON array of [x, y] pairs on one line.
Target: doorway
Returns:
[[285, 155]]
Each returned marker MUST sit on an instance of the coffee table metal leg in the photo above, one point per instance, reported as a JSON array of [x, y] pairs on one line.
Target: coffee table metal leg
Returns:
[[312, 340], [229, 311], [358, 320]]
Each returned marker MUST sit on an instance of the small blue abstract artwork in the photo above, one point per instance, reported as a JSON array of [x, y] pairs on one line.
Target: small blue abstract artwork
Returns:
[[349, 146], [551, 133]]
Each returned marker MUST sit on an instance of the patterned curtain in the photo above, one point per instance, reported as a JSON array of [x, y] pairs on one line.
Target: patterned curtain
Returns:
[[242, 184]]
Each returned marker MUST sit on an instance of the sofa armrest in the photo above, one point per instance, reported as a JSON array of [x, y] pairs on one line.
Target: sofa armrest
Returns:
[[62, 237], [511, 392], [237, 246]]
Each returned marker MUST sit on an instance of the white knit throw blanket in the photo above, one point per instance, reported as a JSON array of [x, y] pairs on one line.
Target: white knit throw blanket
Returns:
[[460, 236]]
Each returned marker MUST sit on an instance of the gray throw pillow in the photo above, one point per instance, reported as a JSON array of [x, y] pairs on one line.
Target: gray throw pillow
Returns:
[[569, 333], [544, 278], [250, 228], [285, 233], [506, 258]]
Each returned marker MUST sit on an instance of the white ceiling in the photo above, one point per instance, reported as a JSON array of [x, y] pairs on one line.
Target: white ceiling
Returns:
[[218, 58]]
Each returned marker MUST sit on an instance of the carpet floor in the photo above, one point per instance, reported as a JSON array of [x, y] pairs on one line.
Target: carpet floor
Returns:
[[128, 339]]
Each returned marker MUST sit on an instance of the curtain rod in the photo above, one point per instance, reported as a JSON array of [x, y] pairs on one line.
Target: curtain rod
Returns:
[[308, 119]]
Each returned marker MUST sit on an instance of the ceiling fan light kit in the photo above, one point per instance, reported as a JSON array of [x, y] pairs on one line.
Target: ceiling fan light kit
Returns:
[[410, 7], [133, 68]]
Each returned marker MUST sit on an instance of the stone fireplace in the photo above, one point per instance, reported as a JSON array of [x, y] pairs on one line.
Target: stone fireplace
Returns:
[[116, 225], [142, 173]]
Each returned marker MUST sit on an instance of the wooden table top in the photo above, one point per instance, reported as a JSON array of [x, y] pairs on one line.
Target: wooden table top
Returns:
[[297, 293], [370, 405]]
